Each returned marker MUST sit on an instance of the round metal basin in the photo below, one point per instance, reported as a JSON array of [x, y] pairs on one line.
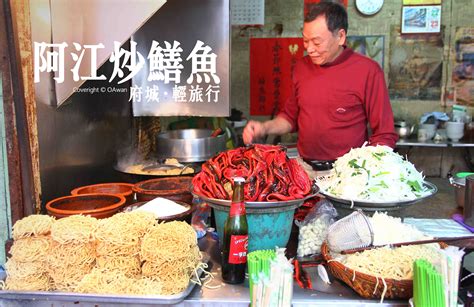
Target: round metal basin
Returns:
[[371, 207], [269, 223], [189, 145]]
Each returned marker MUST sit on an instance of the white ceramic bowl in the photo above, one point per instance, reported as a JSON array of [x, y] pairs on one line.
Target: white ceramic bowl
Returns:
[[431, 130], [454, 131], [422, 135]]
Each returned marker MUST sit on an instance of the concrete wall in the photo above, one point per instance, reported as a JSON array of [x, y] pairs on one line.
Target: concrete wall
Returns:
[[289, 13]]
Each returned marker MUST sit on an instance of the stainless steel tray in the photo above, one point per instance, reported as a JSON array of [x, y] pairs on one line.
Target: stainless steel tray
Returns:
[[261, 204], [101, 298], [195, 166], [367, 204]]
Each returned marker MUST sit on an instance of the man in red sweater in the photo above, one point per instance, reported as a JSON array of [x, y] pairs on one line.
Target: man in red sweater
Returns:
[[335, 93]]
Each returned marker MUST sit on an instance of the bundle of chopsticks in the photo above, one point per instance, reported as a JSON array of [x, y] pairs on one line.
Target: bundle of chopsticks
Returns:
[[436, 284], [270, 278]]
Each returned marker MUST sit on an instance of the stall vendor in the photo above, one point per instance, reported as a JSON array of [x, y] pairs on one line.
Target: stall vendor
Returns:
[[335, 94]]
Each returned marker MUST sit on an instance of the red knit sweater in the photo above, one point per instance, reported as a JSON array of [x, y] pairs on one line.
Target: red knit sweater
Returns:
[[331, 105]]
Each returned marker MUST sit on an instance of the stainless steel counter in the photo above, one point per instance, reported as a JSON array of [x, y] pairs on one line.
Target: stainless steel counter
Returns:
[[336, 294], [415, 142], [465, 142]]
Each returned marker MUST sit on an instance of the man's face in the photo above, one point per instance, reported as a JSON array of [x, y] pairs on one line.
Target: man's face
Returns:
[[321, 44]]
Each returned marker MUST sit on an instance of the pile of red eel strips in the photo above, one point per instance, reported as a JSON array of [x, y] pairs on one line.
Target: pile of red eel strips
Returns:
[[270, 175]]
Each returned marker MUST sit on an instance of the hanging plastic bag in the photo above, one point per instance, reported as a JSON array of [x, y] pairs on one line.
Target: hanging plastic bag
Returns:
[[200, 217], [313, 230]]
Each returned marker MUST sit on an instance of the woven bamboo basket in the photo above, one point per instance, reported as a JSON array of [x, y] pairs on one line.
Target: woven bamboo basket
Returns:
[[369, 286]]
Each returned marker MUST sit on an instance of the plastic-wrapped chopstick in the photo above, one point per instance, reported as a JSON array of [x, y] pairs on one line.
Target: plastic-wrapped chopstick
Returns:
[[450, 266], [454, 256], [271, 276]]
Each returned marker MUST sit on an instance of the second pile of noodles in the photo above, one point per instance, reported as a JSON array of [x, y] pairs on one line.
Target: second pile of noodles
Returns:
[[176, 259], [118, 241], [72, 252]]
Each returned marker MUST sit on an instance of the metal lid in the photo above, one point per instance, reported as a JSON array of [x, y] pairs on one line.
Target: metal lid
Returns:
[[400, 123]]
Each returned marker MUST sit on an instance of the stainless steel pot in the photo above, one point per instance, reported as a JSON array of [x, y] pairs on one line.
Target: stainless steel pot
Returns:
[[189, 145], [458, 181], [403, 129]]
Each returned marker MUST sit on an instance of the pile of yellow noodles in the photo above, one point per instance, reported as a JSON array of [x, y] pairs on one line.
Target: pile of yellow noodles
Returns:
[[74, 229], [33, 225], [31, 249], [68, 263], [176, 259], [119, 239], [72, 253], [127, 253], [396, 263], [27, 267]]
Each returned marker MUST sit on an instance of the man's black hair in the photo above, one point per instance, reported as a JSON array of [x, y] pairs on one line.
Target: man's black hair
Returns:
[[336, 15]]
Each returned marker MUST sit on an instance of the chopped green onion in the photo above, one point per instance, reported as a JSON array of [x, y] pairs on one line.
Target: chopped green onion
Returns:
[[381, 173]]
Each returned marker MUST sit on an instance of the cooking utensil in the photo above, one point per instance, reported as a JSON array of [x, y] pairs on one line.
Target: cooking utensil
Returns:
[[436, 240], [468, 211], [403, 129], [134, 174], [189, 145], [458, 181], [352, 231]]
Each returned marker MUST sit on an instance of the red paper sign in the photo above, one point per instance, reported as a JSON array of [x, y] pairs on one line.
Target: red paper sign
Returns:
[[271, 66], [238, 249]]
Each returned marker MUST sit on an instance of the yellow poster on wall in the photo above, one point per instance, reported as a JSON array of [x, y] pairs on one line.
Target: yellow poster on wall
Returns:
[[421, 2]]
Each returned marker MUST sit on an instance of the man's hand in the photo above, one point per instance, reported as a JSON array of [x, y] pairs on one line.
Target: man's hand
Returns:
[[255, 129], [252, 131]]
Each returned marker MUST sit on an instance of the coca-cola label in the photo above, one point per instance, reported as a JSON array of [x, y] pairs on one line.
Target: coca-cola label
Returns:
[[237, 209], [238, 249]]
